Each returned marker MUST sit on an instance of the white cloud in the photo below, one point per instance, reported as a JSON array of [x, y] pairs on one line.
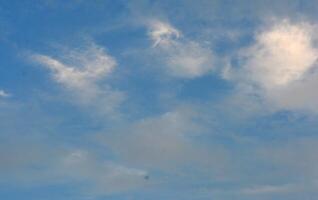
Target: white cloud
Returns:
[[281, 66], [300, 95], [183, 58], [4, 94], [283, 53], [80, 71], [162, 33]]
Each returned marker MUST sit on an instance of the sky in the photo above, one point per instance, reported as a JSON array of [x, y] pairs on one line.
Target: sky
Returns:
[[169, 99]]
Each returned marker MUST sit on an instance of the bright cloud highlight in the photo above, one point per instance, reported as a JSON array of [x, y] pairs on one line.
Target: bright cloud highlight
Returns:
[[183, 58]]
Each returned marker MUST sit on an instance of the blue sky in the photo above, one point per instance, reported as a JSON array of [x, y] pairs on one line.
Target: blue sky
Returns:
[[158, 100]]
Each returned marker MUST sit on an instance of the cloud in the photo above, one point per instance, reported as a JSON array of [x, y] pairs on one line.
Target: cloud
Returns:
[[281, 65], [155, 142], [299, 95], [43, 157], [256, 191], [167, 143], [104, 176], [283, 53], [162, 33], [183, 58], [268, 189], [80, 69], [4, 94], [80, 72], [296, 157], [33, 163]]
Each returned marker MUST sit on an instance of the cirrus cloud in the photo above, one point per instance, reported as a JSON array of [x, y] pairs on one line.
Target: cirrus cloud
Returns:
[[80, 72], [182, 57]]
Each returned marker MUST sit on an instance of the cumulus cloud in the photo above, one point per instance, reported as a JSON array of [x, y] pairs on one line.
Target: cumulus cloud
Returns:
[[299, 95], [80, 72], [183, 58], [283, 53], [281, 65]]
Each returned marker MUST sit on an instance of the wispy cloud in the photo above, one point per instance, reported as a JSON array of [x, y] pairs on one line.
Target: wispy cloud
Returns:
[[268, 189], [183, 58], [162, 33], [4, 94], [80, 71]]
